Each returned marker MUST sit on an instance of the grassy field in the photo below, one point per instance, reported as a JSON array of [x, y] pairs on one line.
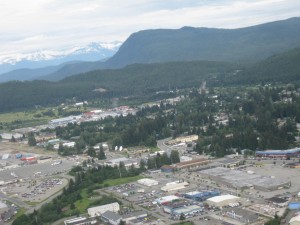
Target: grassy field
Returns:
[[21, 211], [119, 181], [84, 203], [34, 117], [184, 223]]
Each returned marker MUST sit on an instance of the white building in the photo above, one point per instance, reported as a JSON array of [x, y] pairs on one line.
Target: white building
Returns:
[[295, 220], [185, 159], [115, 162], [8, 136], [222, 200], [70, 144], [165, 199], [147, 182], [81, 221], [98, 210], [174, 186]]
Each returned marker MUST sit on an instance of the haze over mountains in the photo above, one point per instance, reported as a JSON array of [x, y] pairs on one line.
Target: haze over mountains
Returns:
[[244, 45]]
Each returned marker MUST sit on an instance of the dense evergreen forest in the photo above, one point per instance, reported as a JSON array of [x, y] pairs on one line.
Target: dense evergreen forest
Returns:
[[138, 80]]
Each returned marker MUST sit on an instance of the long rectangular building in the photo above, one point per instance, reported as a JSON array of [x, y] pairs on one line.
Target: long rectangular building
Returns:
[[98, 210], [295, 152], [241, 180]]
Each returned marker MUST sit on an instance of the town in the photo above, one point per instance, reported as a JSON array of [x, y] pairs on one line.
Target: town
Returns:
[[178, 179]]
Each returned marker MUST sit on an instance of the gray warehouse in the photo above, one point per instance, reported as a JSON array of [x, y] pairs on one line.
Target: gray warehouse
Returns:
[[243, 180]]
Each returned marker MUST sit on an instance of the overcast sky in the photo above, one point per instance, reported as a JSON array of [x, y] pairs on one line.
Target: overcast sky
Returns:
[[30, 25]]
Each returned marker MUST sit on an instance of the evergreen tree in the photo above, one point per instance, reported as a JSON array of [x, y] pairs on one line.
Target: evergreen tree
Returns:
[[101, 154], [142, 165], [175, 156], [182, 217], [91, 152], [31, 140]]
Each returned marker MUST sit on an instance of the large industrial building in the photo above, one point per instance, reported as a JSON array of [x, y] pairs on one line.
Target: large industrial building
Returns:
[[201, 195], [295, 152], [174, 186], [187, 210], [222, 200], [147, 182], [98, 210], [116, 162], [241, 215], [243, 180], [81, 221], [192, 164]]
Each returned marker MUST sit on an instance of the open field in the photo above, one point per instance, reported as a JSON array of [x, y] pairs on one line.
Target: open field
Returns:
[[10, 148], [14, 120], [115, 182]]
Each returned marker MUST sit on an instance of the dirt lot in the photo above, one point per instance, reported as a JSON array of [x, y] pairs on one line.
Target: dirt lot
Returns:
[[13, 148]]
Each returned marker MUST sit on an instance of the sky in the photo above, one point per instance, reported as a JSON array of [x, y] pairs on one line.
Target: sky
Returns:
[[33, 25]]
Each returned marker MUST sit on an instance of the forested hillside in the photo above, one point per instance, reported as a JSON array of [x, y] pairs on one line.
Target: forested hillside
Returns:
[[132, 80], [249, 44], [283, 67]]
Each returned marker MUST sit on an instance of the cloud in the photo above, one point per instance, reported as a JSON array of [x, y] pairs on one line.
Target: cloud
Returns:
[[54, 24]]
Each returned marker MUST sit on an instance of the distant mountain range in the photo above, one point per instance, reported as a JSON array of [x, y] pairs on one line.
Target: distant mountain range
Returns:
[[244, 45], [36, 64]]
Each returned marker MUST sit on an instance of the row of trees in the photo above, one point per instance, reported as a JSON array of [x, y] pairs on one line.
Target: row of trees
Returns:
[[159, 160]]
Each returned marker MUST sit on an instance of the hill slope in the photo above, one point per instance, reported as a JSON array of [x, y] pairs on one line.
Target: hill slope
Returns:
[[284, 67], [246, 45], [138, 80], [186, 44]]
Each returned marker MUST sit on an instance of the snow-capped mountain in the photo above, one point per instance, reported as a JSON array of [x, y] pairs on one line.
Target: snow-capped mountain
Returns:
[[94, 51]]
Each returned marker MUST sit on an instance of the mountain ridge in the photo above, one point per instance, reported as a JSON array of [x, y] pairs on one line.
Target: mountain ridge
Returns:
[[94, 51], [242, 45]]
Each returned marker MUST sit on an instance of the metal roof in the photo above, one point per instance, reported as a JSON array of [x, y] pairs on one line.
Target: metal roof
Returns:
[[279, 152]]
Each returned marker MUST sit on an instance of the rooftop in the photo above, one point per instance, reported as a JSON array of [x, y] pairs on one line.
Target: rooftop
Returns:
[[277, 200], [222, 198], [111, 216], [295, 219]]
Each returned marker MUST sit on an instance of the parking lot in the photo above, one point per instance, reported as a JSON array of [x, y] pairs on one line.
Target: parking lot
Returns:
[[35, 190], [29, 171]]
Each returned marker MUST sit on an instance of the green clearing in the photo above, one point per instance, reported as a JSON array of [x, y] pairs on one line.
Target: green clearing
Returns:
[[14, 120], [119, 181], [21, 211], [184, 223], [83, 203]]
